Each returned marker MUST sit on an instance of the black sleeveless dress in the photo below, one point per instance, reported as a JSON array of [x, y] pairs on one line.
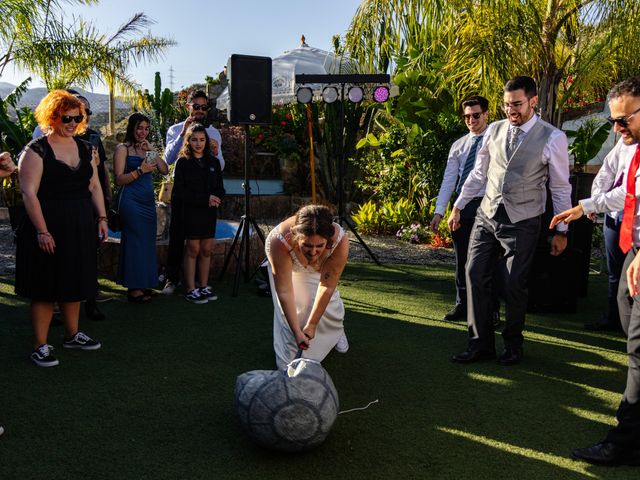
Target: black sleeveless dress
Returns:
[[69, 274]]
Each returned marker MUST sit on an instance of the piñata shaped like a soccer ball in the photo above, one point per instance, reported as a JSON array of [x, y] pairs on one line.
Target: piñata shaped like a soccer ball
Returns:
[[292, 410]]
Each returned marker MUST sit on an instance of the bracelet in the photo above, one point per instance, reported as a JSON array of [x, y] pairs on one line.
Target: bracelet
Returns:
[[139, 170], [103, 219], [134, 175], [47, 234], [564, 233]]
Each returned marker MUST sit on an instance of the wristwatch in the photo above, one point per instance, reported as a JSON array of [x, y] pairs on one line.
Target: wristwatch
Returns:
[[139, 170]]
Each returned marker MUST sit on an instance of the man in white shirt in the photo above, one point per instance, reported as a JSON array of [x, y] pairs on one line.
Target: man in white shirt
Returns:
[[197, 105], [462, 156], [517, 157], [622, 444], [610, 177]]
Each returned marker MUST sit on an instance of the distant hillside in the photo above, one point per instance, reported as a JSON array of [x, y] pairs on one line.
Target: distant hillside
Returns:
[[99, 102]]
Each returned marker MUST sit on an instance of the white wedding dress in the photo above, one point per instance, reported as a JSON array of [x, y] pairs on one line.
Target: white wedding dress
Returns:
[[305, 285]]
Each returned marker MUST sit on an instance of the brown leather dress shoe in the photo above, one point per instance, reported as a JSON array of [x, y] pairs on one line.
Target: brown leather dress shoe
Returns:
[[607, 453], [472, 356]]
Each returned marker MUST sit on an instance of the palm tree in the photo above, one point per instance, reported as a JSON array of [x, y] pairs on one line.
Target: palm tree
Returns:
[[79, 54], [568, 46], [24, 19]]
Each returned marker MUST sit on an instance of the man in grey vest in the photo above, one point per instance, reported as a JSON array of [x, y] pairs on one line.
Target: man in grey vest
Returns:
[[516, 159]]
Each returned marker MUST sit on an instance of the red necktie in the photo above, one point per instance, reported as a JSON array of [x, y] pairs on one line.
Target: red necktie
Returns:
[[626, 241]]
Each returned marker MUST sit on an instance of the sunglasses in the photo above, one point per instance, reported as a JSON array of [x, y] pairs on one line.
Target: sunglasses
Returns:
[[88, 112], [622, 121], [70, 118], [197, 107], [476, 115]]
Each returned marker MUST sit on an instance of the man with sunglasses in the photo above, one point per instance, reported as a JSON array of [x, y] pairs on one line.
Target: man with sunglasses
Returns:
[[197, 106], [622, 444], [461, 160], [516, 158]]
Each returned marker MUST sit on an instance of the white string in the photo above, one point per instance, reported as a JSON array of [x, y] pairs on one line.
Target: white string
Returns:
[[359, 408]]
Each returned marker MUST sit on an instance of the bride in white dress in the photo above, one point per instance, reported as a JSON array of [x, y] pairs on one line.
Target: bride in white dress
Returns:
[[307, 254]]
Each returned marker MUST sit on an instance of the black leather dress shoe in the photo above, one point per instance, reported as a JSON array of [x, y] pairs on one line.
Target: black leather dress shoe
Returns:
[[457, 313], [510, 356], [471, 356], [607, 453]]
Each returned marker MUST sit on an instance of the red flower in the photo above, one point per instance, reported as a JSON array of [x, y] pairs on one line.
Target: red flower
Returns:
[[288, 116], [283, 123], [260, 136]]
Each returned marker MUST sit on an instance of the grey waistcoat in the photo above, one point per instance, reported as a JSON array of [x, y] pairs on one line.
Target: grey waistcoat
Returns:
[[519, 182]]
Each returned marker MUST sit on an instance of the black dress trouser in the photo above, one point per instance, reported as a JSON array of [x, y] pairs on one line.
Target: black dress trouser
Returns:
[[518, 242]]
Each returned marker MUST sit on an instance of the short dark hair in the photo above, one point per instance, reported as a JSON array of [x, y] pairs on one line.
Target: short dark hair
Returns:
[[522, 82], [134, 120], [474, 100], [627, 88], [197, 94]]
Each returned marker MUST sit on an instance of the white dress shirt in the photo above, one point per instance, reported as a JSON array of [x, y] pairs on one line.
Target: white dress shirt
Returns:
[[453, 171], [613, 200], [555, 155], [174, 143], [613, 172]]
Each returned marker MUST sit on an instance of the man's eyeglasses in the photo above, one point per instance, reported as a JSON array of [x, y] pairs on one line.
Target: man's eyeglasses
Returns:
[[512, 105], [72, 118], [197, 106], [622, 121], [476, 115]]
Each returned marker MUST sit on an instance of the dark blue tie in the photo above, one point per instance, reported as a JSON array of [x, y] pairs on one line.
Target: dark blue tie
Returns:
[[469, 163]]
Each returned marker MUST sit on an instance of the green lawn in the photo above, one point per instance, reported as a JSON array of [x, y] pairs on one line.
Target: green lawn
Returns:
[[156, 402]]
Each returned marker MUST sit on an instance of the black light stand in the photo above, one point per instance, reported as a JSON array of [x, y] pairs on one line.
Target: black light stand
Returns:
[[342, 80], [244, 229]]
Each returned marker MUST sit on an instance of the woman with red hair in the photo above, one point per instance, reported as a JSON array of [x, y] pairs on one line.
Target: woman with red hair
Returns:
[[56, 254]]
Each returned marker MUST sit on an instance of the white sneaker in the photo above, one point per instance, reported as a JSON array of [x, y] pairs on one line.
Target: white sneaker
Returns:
[[168, 289], [343, 344]]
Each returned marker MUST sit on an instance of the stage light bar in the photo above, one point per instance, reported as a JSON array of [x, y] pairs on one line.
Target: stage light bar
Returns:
[[355, 94], [304, 95], [381, 93], [329, 94]]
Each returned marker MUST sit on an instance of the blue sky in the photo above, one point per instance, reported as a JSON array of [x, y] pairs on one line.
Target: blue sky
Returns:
[[208, 32]]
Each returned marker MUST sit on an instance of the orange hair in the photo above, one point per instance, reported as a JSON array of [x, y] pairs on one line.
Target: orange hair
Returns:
[[54, 105]]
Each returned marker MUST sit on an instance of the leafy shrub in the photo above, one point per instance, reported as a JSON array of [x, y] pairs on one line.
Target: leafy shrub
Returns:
[[367, 218]]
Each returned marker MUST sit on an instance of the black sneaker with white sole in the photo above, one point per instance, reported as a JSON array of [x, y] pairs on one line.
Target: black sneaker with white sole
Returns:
[[42, 357], [194, 297], [208, 293], [81, 341]]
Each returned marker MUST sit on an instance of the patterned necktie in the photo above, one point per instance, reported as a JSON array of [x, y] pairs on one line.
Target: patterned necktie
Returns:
[[469, 163], [512, 144], [626, 240]]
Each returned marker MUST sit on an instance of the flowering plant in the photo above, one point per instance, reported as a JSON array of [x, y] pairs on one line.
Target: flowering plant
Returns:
[[414, 233]]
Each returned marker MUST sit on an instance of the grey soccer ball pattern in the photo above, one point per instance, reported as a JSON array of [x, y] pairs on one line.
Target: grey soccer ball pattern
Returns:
[[287, 413]]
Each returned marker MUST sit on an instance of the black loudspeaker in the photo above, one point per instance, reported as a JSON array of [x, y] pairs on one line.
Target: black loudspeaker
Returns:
[[249, 90]]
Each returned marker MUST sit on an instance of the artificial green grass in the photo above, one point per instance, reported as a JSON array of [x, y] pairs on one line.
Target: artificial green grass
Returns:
[[156, 402]]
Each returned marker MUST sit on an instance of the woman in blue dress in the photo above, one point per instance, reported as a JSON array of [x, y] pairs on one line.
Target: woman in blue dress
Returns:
[[134, 162]]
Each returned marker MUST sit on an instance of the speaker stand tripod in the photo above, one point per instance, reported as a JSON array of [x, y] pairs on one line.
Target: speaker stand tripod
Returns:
[[244, 229]]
